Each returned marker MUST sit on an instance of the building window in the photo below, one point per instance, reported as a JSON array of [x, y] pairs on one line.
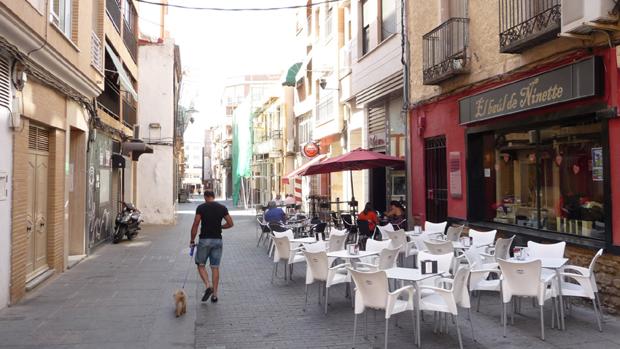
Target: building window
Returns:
[[60, 15], [328, 23], [366, 19], [325, 109], [389, 19], [547, 178]]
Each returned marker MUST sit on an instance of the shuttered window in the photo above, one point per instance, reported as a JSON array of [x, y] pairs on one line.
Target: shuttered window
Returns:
[[376, 120], [5, 84], [38, 139]]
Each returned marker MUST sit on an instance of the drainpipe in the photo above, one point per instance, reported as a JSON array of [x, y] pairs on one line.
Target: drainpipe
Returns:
[[405, 109]]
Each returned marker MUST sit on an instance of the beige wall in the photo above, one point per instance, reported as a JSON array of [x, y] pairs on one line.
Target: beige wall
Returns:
[[74, 49], [486, 61]]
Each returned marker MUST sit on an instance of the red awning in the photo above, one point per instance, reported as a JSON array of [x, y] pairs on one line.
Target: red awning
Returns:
[[290, 176]]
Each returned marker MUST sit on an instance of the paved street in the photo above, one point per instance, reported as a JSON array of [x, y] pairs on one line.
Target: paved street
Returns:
[[121, 297]]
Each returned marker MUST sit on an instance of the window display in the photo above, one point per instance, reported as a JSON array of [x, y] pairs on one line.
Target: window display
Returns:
[[550, 178]]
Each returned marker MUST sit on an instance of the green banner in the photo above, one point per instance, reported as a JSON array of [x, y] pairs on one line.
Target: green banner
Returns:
[[242, 147]]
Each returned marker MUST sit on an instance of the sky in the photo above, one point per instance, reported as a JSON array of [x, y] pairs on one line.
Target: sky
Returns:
[[218, 45]]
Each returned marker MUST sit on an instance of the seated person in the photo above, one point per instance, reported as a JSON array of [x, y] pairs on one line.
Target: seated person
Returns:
[[396, 212], [289, 200], [369, 215], [274, 214]]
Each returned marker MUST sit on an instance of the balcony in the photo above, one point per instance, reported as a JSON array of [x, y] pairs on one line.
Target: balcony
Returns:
[[129, 114], [276, 134], [445, 51], [526, 23], [113, 8], [129, 38]]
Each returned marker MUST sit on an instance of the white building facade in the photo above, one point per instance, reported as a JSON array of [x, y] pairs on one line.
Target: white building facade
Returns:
[[159, 73]]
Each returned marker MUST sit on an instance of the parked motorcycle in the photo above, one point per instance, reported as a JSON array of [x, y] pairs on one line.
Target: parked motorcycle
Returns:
[[127, 222]]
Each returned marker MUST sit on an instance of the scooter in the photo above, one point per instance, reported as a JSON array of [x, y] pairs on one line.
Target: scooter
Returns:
[[127, 222]]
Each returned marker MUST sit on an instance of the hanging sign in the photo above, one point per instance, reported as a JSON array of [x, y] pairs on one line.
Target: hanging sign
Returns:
[[572, 82], [310, 149]]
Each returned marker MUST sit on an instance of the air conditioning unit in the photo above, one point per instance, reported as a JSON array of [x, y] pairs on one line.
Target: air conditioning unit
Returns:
[[576, 14]]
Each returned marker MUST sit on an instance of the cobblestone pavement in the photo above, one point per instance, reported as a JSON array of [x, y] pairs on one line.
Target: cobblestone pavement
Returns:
[[120, 297]]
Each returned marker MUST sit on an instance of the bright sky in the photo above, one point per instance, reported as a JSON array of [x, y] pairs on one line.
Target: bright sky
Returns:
[[218, 45]]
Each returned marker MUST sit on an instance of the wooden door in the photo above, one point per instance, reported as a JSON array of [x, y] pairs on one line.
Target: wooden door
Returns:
[[36, 217], [436, 179]]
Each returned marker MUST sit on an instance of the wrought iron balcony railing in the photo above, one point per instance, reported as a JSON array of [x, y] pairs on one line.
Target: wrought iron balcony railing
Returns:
[[113, 8], [527, 23], [445, 51]]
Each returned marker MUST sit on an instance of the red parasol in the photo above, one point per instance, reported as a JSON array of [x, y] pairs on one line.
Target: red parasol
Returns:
[[358, 159]]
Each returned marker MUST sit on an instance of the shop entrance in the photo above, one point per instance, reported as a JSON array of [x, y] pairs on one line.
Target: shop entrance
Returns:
[[436, 181], [36, 216], [377, 189]]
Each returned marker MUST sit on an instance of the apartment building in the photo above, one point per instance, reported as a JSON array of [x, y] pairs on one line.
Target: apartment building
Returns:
[[272, 127], [50, 72], [247, 88], [514, 120], [114, 147], [159, 69]]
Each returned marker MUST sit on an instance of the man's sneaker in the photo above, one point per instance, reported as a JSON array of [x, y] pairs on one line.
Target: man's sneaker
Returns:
[[214, 299], [207, 294]]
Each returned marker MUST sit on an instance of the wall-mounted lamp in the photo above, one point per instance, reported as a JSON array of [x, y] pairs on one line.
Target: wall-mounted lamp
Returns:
[[323, 84]]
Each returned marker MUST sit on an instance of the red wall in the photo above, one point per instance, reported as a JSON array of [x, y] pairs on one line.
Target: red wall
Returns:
[[441, 117]]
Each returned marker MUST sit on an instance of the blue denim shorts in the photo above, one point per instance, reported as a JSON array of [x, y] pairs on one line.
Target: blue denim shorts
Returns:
[[209, 249]]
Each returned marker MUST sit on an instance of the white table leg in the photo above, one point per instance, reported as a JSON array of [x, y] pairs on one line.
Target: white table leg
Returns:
[[417, 314]]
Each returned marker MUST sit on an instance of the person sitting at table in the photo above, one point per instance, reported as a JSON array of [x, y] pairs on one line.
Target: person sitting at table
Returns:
[[369, 215], [289, 200], [274, 214], [396, 213]]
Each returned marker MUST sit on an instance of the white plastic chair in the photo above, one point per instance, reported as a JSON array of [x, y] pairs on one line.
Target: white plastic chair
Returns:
[[319, 270], [399, 239], [482, 238], [386, 260], [444, 261], [525, 279], [439, 246], [337, 240], [431, 227], [447, 300], [479, 274], [284, 253], [537, 250], [385, 229], [375, 246], [501, 250], [372, 292], [581, 282], [319, 246], [454, 233], [288, 233]]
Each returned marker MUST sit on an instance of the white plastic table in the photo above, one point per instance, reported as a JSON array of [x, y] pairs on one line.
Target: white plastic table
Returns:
[[307, 240], [415, 276], [344, 254]]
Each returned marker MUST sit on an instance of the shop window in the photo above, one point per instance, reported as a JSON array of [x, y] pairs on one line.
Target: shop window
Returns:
[[547, 178]]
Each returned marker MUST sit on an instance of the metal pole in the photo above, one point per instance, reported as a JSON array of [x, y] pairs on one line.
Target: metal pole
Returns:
[[405, 110]]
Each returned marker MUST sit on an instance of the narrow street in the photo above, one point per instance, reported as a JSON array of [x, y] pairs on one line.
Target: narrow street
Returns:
[[121, 297]]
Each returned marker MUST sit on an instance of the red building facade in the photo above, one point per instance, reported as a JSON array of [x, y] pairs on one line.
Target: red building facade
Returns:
[[535, 152]]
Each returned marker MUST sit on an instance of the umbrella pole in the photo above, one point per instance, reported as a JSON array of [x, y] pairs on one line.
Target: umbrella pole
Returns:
[[352, 193]]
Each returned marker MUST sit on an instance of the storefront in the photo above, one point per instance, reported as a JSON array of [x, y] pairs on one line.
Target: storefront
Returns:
[[532, 156]]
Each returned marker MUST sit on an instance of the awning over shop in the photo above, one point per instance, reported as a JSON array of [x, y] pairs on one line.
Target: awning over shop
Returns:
[[290, 176], [136, 148], [123, 77], [291, 74]]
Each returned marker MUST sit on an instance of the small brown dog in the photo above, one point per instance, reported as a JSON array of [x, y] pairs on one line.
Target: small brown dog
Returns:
[[180, 301]]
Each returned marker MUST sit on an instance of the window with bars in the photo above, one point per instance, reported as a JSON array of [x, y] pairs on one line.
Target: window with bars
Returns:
[[5, 84]]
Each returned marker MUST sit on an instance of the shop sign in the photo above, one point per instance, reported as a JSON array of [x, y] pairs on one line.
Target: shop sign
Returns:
[[310, 149], [572, 82]]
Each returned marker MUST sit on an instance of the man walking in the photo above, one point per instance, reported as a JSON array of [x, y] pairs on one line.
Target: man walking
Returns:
[[209, 215]]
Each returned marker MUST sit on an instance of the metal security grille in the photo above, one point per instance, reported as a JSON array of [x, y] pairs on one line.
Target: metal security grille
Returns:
[[5, 84], [436, 179], [38, 139]]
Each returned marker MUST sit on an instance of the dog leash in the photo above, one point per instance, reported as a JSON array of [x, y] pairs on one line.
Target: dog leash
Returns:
[[191, 254]]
